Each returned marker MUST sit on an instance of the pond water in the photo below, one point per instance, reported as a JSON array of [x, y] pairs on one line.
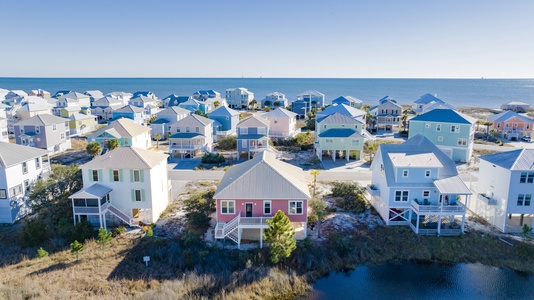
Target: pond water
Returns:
[[425, 281]]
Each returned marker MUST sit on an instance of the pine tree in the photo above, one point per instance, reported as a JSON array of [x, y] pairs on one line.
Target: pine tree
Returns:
[[280, 236], [76, 248], [104, 237]]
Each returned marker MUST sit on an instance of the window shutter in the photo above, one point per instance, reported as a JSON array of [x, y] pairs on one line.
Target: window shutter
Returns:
[[110, 175], [90, 172], [120, 176], [143, 198], [133, 195], [100, 178], [142, 175], [131, 175]]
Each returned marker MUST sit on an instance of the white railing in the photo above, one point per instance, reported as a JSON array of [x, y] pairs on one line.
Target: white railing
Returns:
[[224, 132], [254, 221], [487, 200], [224, 229], [119, 214], [86, 210], [458, 207], [373, 191]]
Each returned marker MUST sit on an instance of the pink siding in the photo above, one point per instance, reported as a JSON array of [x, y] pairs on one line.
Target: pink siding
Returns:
[[257, 210]]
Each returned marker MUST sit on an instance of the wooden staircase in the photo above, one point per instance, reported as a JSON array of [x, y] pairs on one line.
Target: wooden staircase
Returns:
[[229, 230], [122, 216]]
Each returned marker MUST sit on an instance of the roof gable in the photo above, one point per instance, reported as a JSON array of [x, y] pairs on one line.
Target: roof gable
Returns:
[[13, 154], [254, 121], [126, 158], [444, 116], [521, 159]]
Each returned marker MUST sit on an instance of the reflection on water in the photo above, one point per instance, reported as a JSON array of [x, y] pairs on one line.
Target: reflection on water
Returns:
[[425, 281]]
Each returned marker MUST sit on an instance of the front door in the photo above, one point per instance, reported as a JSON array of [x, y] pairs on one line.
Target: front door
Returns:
[[248, 208]]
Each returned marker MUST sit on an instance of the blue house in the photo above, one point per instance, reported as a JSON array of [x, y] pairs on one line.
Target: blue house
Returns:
[[203, 95], [301, 108], [349, 101], [314, 98], [451, 131], [174, 100], [226, 120], [137, 114]]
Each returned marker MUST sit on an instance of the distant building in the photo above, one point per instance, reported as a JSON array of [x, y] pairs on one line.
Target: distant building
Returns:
[[239, 98], [252, 135], [387, 113], [349, 101], [129, 134], [519, 107], [283, 123], [511, 125], [275, 99], [314, 98], [165, 118], [189, 135], [44, 131], [225, 122]]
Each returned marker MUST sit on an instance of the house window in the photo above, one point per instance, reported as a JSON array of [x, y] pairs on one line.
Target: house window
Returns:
[[404, 173], [22, 130], [197, 129], [125, 142], [401, 196], [329, 141], [295, 207], [498, 125], [95, 175], [427, 125], [440, 138], [455, 128], [227, 118], [438, 127], [62, 136], [3, 194], [54, 127], [527, 177], [16, 190], [37, 129], [37, 163], [462, 142], [136, 176], [427, 173], [262, 130], [426, 193], [275, 120], [187, 129], [267, 207], [137, 195], [24, 168], [243, 130], [355, 142], [178, 129], [527, 199], [116, 175], [227, 207], [27, 184]]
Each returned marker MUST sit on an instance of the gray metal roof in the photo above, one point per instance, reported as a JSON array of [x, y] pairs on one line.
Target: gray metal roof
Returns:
[[340, 133], [263, 177], [452, 185], [42, 120], [341, 108], [126, 158], [174, 110], [415, 160], [96, 190], [253, 121], [280, 113], [122, 127], [521, 159], [338, 118], [13, 154], [224, 111], [193, 120]]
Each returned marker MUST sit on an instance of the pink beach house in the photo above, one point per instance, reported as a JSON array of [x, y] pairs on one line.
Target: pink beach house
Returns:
[[254, 191], [283, 123]]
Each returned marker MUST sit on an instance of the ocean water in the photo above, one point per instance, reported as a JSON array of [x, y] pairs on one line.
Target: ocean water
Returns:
[[490, 93]]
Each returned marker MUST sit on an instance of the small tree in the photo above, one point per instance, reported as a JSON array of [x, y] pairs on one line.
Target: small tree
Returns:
[[198, 112], [266, 103], [479, 122], [104, 237], [113, 144], [75, 248], [527, 232], [41, 253], [93, 149], [318, 208], [404, 119], [487, 124], [314, 173], [253, 104], [280, 236], [217, 104], [157, 137]]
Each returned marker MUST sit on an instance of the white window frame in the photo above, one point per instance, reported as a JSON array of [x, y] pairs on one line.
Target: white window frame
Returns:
[[138, 193], [37, 129], [405, 173], [428, 173], [426, 191], [402, 196], [243, 130], [225, 204], [3, 194], [37, 163], [462, 142], [24, 167], [93, 173], [455, 128], [113, 176], [54, 127], [138, 176], [294, 205], [427, 125], [270, 207]]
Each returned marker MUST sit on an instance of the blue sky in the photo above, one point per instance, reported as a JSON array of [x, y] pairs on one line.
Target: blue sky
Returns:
[[289, 38]]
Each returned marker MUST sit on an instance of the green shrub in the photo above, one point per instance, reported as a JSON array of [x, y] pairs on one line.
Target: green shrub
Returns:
[[209, 158], [228, 143], [149, 232], [118, 231], [34, 232], [82, 231], [349, 196], [41, 253]]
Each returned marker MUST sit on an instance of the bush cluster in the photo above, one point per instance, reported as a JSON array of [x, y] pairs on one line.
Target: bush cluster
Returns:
[[209, 158], [349, 196], [228, 143]]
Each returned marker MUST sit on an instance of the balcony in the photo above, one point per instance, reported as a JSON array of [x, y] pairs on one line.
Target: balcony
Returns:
[[486, 199], [224, 132], [91, 206], [425, 207], [185, 147], [373, 190]]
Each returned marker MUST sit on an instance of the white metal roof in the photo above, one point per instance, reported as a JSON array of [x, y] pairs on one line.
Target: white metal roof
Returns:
[[415, 160], [96, 190], [126, 158], [13, 154], [124, 127], [263, 177], [452, 185]]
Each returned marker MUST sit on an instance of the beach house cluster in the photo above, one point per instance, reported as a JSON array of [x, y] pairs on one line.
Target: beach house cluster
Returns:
[[415, 183]]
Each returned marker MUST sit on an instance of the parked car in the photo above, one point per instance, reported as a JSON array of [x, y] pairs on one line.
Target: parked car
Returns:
[[526, 139]]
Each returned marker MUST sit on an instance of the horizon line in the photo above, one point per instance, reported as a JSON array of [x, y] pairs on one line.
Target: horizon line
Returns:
[[260, 77]]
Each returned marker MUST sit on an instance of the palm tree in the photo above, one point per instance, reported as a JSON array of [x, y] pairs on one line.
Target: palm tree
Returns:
[[487, 124], [253, 104], [113, 144], [404, 119], [157, 137], [314, 173], [217, 104], [479, 122], [93, 149]]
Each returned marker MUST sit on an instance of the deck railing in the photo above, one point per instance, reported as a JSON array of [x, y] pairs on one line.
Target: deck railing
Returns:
[[457, 207], [373, 191]]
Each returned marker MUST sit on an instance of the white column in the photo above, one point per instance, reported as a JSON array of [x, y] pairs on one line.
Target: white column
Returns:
[[334, 155], [261, 237], [439, 224], [305, 225], [463, 222], [239, 231], [347, 154]]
